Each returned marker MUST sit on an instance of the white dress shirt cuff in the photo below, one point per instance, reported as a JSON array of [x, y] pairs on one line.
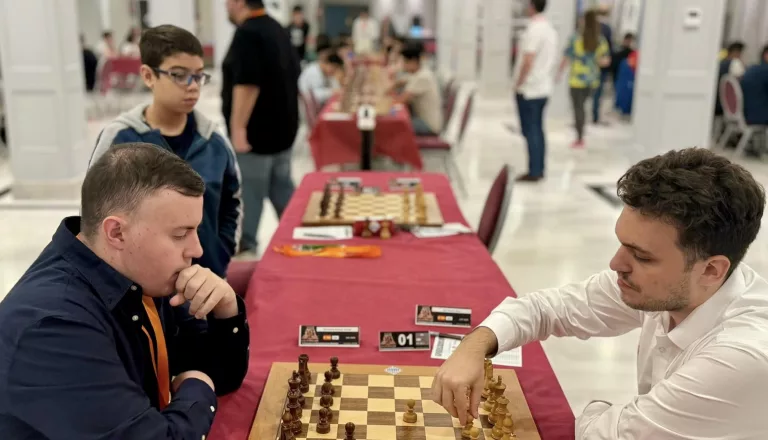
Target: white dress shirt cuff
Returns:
[[500, 325]]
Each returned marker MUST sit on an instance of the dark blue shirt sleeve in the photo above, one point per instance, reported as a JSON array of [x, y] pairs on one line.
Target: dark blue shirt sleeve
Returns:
[[67, 381]]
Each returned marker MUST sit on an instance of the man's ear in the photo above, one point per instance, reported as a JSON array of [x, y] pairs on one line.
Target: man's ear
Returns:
[[114, 232], [715, 271], [148, 75]]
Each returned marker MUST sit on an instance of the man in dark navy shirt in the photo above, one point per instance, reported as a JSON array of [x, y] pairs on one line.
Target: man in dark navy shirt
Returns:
[[112, 333]]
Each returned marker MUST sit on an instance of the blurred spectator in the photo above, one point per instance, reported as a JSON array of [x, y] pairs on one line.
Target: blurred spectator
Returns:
[[607, 33], [130, 47], [422, 95], [298, 31], [730, 65], [365, 33], [106, 47], [627, 46], [90, 65], [323, 77], [754, 85]]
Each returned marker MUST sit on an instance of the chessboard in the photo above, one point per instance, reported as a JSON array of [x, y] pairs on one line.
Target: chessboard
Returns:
[[375, 398], [345, 208]]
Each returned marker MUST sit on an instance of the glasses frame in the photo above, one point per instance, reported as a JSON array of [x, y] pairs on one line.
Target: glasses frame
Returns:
[[200, 78]]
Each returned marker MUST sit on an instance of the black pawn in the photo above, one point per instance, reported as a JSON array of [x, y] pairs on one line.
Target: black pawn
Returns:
[[327, 387], [335, 367], [349, 429], [323, 426], [286, 427]]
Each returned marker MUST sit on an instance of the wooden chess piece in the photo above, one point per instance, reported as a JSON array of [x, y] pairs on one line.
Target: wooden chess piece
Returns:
[[474, 433], [304, 374], [349, 430], [498, 389], [488, 378], [508, 428], [294, 383], [410, 415], [296, 413], [496, 432], [490, 403], [323, 425], [326, 401], [385, 234], [335, 367], [499, 411], [286, 427], [327, 387], [465, 433]]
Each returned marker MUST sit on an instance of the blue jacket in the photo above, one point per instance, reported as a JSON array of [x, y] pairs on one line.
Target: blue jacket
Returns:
[[213, 157], [754, 87]]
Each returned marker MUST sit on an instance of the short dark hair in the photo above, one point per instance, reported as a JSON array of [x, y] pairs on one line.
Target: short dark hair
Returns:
[[128, 173], [298, 8], [254, 4], [161, 42], [736, 46], [411, 53], [106, 34], [334, 59], [539, 5], [323, 43], [629, 36], [716, 205]]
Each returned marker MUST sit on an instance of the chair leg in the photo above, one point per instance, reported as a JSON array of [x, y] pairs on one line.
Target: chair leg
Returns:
[[724, 137], [743, 142]]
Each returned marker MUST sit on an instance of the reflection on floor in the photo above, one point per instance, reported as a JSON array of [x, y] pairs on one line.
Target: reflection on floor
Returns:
[[558, 231]]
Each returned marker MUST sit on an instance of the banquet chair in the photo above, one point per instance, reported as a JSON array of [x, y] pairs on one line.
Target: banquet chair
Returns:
[[239, 274], [495, 209], [732, 99], [447, 149]]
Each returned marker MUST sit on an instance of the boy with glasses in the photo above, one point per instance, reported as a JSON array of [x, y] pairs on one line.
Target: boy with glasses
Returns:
[[172, 67]]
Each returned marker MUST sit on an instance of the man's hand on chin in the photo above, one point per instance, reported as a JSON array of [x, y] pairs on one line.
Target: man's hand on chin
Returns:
[[206, 293]]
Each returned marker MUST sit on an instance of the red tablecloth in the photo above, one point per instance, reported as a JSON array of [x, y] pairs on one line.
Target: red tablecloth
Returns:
[[376, 295], [336, 141]]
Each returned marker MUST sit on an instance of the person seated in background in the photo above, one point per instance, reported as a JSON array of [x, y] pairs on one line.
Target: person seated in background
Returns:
[[130, 47], [345, 48], [422, 95], [322, 78], [113, 332], [106, 47], [754, 87], [172, 67], [688, 220], [730, 65], [298, 30]]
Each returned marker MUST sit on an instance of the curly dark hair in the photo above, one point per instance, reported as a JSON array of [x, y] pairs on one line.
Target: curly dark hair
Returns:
[[715, 205]]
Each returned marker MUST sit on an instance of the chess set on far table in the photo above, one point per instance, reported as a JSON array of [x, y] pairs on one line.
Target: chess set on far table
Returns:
[[339, 205], [376, 402]]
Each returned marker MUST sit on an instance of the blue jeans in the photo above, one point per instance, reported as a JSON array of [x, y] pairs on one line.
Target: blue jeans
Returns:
[[596, 98], [531, 112], [263, 176], [420, 128]]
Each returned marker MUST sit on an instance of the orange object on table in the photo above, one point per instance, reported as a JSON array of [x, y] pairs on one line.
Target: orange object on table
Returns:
[[328, 251]]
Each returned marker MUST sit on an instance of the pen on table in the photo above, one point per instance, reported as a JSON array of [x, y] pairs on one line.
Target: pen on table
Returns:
[[311, 235], [447, 336]]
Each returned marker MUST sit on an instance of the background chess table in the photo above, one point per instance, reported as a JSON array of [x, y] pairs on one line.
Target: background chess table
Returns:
[[375, 401], [360, 206]]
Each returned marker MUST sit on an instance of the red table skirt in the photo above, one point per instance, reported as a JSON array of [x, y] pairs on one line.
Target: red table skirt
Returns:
[[376, 295], [335, 142]]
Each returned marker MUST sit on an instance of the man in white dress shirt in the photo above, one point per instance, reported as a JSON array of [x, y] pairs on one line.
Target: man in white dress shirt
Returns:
[[365, 33], [702, 362]]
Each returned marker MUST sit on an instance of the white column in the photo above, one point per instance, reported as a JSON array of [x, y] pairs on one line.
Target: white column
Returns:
[[465, 43], [223, 30], [180, 13], [497, 44], [676, 76], [446, 35], [563, 18], [42, 71]]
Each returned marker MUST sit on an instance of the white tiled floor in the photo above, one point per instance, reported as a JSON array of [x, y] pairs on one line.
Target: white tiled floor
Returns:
[[557, 231]]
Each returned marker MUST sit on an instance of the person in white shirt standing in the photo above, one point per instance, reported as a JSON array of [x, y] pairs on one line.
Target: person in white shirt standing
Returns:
[[702, 360], [365, 33], [534, 80]]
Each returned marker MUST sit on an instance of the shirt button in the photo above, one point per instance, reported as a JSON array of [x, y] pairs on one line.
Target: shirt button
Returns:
[[213, 409], [134, 288], [135, 318], [235, 330], [662, 349]]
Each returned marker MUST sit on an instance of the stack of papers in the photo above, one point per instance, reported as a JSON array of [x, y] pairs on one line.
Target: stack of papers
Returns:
[[323, 233], [446, 230], [442, 348]]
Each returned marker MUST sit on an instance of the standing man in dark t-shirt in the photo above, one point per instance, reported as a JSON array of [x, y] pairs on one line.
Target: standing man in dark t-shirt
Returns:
[[298, 31], [261, 108]]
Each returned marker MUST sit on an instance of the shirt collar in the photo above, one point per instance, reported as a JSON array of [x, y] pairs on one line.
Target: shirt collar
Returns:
[[708, 315], [110, 285]]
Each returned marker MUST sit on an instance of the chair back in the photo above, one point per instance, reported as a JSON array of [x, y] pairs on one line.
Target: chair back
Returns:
[[450, 104], [495, 210], [466, 115], [732, 100]]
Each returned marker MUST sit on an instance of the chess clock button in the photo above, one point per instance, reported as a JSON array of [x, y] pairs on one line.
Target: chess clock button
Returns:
[[235, 330]]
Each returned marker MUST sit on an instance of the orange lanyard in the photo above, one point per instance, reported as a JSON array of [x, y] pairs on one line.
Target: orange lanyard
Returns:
[[161, 363], [258, 13]]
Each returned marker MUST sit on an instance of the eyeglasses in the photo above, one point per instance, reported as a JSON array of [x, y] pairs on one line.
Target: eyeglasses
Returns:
[[185, 79]]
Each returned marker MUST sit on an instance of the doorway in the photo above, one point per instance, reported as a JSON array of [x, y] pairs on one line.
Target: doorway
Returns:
[[339, 18]]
